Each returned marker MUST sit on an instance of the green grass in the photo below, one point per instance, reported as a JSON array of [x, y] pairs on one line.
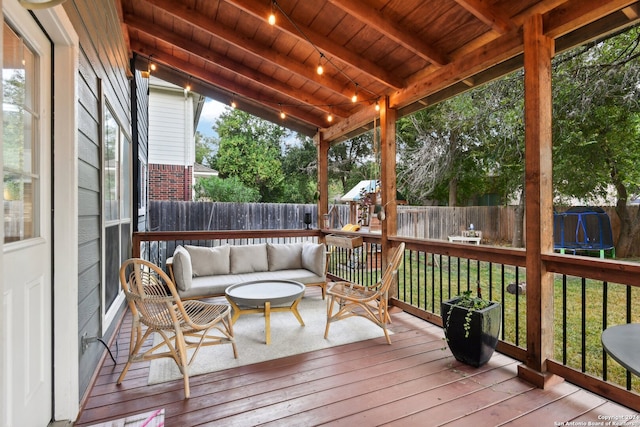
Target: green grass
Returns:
[[583, 315]]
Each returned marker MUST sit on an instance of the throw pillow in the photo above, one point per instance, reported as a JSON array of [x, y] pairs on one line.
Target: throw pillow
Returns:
[[207, 261], [286, 256], [314, 258], [182, 272], [249, 258]]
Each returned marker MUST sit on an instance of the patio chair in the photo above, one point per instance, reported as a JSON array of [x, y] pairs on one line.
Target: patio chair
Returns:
[[368, 302], [184, 326]]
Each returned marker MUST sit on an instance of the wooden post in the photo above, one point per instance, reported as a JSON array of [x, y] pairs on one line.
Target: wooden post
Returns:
[[538, 51], [323, 177], [388, 117]]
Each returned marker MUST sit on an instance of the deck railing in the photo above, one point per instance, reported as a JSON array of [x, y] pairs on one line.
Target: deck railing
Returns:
[[589, 293]]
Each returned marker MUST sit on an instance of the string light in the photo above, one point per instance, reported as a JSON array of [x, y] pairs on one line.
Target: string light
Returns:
[[377, 106], [282, 115], [188, 88], [320, 70], [330, 118], [320, 67], [233, 104], [272, 16]]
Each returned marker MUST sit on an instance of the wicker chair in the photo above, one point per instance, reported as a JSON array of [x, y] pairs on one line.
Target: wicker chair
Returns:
[[183, 325], [368, 302]]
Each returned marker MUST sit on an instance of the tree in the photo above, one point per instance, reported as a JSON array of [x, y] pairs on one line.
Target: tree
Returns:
[[300, 167], [352, 161], [443, 152], [205, 149], [250, 150], [597, 126], [216, 189]]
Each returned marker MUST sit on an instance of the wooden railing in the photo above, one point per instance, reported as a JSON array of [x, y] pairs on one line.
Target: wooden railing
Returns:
[[589, 293]]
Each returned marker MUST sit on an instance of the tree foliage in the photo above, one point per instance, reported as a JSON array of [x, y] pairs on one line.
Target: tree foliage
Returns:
[[597, 126], [249, 149], [215, 189]]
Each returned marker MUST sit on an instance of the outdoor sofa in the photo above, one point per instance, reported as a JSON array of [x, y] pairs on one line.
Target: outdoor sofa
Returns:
[[201, 272]]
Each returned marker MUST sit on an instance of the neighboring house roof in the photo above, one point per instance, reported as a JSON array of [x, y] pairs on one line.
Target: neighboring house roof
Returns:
[[202, 170]]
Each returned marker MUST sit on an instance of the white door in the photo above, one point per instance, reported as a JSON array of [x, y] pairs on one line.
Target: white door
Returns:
[[26, 258]]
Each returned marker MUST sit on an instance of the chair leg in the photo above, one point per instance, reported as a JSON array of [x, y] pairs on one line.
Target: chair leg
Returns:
[[329, 314], [135, 343], [229, 328]]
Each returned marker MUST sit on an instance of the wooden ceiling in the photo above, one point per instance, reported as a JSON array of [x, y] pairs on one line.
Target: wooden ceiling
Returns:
[[416, 52]]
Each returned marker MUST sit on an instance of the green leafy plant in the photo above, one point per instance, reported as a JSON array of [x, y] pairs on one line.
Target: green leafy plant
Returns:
[[470, 303]]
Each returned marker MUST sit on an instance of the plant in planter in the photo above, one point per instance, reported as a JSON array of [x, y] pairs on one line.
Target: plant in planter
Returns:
[[471, 327]]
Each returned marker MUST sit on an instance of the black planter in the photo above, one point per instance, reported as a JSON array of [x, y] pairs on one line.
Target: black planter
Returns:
[[477, 348]]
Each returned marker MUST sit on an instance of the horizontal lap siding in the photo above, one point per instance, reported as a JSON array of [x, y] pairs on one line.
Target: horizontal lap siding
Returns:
[[103, 61]]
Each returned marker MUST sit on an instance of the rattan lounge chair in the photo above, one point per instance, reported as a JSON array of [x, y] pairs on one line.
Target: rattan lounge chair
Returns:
[[183, 325], [368, 302]]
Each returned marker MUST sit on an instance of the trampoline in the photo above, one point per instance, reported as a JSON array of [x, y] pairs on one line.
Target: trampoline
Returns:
[[583, 230]]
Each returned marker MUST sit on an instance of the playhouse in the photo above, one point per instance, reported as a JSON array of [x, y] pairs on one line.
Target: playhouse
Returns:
[[584, 230]]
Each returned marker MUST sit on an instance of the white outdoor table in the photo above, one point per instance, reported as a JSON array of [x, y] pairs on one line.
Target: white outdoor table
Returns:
[[465, 239]]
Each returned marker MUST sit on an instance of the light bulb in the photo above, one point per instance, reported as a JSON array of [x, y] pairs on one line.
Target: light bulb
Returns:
[[354, 98], [233, 104], [188, 88], [272, 19], [330, 117], [153, 67], [377, 106], [320, 70], [282, 115]]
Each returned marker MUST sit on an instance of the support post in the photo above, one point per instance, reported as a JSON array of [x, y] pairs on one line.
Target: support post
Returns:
[[323, 177], [538, 51], [388, 117]]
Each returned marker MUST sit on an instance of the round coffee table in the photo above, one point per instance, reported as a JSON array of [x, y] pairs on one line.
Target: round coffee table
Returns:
[[265, 296]]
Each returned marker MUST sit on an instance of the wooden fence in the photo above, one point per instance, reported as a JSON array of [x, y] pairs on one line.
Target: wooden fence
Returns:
[[497, 223]]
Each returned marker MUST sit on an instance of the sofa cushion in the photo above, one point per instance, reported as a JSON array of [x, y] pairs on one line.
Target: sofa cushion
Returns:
[[206, 286], [298, 275], [182, 272], [207, 261], [284, 256], [249, 258], [314, 258]]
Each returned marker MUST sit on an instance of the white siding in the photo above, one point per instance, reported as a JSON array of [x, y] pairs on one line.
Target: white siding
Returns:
[[171, 137]]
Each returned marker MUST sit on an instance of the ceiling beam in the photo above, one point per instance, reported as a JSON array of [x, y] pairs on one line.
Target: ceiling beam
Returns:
[[556, 20], [488, 15], [160, 57], [329, 48], [215, 59], [385, 25], [230, 36], [577, 14]]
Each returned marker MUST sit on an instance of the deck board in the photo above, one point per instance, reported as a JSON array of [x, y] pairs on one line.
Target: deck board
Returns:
[[414, 381]]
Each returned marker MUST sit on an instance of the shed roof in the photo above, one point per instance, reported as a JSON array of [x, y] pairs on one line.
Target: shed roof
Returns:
[[353, 195]]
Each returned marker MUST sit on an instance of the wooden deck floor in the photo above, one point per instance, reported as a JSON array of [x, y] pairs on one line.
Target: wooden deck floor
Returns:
[[414, 381]]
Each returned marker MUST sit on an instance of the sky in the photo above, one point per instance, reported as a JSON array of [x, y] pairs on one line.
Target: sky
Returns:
[[210, 112]]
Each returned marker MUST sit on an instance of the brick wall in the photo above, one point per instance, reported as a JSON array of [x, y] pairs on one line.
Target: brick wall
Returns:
[[170, 182]]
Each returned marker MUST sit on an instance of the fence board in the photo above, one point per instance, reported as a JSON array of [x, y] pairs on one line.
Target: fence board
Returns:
[[497, 223]]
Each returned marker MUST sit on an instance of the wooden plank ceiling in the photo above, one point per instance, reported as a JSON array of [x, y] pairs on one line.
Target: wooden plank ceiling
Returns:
[[416, 52]]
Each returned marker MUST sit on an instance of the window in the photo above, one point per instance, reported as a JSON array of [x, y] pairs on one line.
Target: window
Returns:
[[117, 203], [20, 135]]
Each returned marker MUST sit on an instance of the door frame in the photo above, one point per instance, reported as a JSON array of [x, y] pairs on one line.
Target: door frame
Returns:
[[64, 198]]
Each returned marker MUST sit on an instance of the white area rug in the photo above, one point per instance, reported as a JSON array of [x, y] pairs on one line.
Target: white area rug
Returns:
[[288, 337]]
